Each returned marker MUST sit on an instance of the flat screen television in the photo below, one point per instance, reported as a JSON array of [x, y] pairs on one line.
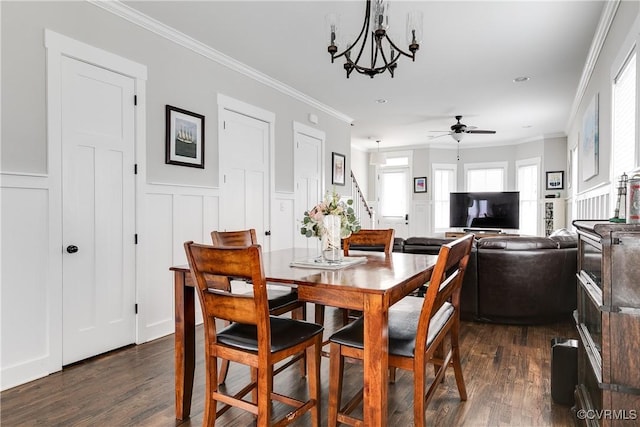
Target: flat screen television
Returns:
[[487, 210]]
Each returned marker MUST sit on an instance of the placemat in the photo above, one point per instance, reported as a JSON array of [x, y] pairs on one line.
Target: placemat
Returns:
[[320, 263]]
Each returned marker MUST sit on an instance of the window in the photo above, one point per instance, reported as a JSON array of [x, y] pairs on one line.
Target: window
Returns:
[[623, 150], [486, 176], [442, 184], [393, 201], [528, 180]]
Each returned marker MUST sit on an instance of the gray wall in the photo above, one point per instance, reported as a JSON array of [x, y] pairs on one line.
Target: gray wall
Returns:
[[176, 76], [601, 83]]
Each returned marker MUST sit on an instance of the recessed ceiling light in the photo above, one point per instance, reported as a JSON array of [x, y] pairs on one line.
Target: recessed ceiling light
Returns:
[[381, 101], [521, 79]]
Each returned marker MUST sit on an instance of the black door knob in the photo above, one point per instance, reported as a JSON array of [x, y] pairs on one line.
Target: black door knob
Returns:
[[72, 249]]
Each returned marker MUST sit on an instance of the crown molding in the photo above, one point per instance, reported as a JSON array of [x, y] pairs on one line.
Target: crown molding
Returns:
[[138, 18], [606, 19]]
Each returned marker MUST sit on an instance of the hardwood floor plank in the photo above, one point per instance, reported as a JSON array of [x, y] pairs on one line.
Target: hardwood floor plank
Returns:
[[506, 370]]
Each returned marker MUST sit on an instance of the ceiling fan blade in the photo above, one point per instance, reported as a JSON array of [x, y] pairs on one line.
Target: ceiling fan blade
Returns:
[[439, 136], [440, 131], [481, 131]]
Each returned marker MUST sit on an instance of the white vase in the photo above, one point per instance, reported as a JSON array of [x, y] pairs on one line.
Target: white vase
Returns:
[[331, 250]]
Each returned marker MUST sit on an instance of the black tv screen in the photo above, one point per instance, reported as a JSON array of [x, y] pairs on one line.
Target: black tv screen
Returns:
[[485, 210]]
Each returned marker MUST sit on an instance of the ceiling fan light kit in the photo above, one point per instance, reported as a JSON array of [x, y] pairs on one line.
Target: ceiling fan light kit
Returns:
[[382, 56], [459, 130]]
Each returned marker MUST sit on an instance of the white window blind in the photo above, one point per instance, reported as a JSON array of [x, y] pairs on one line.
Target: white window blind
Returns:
[[624, 120]]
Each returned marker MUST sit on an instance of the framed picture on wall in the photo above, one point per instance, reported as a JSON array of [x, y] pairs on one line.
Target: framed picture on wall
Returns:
[[184, 138], [555, 180], [420, 184], [337, 168]]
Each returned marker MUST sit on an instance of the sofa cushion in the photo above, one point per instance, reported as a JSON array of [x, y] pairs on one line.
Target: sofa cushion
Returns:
[[516, 243], [427, 241]]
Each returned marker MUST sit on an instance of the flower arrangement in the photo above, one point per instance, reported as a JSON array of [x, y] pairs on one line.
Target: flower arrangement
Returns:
[[312, 223]]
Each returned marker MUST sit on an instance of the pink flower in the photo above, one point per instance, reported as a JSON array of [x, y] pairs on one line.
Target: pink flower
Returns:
[[316, 214]]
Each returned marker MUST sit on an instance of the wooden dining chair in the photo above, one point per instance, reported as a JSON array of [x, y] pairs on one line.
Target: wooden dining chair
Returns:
[[379, 240], [417, 331], [281, 300], [254, 337]]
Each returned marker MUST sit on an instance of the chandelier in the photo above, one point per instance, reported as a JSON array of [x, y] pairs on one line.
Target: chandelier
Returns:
[[383, 53]]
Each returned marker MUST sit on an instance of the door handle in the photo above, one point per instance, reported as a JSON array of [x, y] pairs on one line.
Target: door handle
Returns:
[[72, 249]]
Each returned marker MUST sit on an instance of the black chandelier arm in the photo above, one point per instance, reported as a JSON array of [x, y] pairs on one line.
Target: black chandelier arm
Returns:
[[377, 50], [365, 31], [393, 45]]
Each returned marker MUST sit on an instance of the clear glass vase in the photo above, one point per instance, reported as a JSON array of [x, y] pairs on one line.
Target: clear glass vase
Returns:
[[331, 250]]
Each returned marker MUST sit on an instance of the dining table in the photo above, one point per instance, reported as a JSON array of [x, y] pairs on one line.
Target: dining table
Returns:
[[372, 282]]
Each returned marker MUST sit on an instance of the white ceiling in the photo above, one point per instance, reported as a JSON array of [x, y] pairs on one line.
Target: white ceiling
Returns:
[[470, 54]]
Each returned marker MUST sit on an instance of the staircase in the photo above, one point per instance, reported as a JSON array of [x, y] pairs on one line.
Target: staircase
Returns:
[[364, 212]]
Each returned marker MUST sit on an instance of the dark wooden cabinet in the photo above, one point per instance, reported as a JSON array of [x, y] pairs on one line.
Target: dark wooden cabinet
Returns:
[[608, 323]]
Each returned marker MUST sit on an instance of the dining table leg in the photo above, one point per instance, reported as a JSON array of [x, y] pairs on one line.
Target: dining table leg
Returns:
[[376, 358], [184, 344]]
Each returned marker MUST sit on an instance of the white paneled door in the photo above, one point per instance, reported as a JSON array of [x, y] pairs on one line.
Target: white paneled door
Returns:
[[308, 171], [394, 199], [98, 187], [244, 165]]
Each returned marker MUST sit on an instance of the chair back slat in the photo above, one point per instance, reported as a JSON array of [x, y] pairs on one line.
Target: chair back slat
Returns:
[[376, 238], [445, 284], [216, 265], [234, 308], [234, 238]]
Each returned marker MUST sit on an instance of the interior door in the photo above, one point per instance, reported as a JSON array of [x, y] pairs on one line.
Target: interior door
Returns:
[[393, 200], [244, 164], [98, 210], [308, 190]]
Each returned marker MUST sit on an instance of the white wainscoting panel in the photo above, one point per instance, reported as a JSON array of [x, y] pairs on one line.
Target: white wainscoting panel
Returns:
[[594, 203], [419, 223], [156, 293], [175, 214], [25, 285], [284, 222]]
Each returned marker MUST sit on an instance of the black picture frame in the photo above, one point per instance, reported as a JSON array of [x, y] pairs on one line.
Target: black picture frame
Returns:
[[420, 184], [184, 138], [555, 180], [338, 168]]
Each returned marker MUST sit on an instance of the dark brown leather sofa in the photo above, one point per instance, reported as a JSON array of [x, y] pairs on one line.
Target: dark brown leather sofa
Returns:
[[513, 279]]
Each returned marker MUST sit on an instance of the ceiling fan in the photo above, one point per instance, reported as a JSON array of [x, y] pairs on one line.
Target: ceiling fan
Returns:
[[458, 130]]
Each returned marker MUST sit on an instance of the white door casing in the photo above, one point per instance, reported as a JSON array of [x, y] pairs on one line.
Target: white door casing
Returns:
[[307, 160], [245, 173], [98, 201]]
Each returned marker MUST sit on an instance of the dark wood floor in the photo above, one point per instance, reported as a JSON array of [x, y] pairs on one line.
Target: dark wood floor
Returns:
[[506, 370]]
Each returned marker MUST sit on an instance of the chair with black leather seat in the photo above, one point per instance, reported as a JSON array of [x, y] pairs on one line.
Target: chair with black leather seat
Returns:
[[417, 331], [281, 299], [254, 337]]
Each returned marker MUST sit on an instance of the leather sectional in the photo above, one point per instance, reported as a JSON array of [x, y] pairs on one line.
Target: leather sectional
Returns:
[[514, 279]]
